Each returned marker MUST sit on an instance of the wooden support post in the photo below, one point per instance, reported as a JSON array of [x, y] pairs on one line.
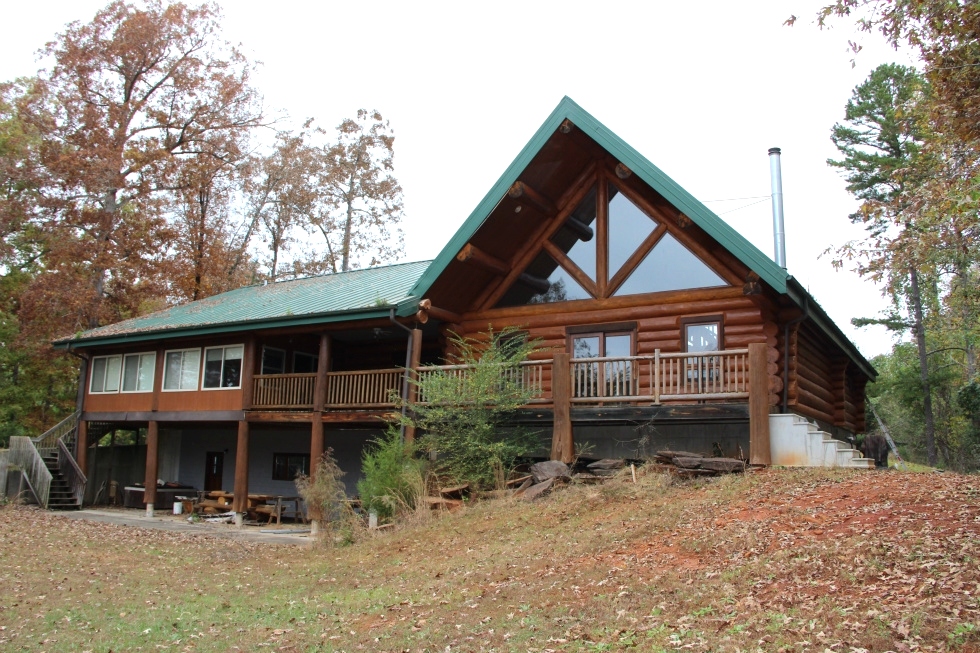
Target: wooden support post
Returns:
[[759, 405], [150, 477], [248, 373], [413, 390], [81, 446], [240, 502], [562, 439], [319, 400]]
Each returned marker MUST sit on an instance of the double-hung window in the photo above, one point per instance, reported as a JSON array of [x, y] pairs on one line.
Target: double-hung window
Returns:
[[138, 372], [701, 335], [181, 369], [223, 367], [105, 374]]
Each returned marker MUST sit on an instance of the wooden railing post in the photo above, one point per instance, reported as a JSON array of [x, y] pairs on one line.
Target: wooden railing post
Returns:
[[412, 371], [759, 453], [150, 477], [562, 439]]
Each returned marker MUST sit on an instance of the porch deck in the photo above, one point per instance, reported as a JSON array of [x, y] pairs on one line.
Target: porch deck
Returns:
[[718, 376]]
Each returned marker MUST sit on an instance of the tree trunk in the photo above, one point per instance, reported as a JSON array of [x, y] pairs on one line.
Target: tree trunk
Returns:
[[920, 341]]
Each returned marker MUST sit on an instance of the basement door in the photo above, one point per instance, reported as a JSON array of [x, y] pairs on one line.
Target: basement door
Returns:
[[214, 465]]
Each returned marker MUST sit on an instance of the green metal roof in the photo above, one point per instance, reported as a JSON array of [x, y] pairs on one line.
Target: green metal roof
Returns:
[[701, 215], [359, 294]]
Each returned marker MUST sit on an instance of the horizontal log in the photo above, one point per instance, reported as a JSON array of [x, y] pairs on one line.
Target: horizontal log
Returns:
[[817, 391], [598, 311], [807, 399]]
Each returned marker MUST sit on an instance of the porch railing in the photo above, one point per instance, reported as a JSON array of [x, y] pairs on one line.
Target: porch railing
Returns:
[[680, 376], [527, 375], [363, 388], [283, 390], [24, 455], [662, 377], [63, 431]]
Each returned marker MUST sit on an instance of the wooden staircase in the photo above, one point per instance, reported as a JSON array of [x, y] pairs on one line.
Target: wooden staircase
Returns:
[[61, 495]]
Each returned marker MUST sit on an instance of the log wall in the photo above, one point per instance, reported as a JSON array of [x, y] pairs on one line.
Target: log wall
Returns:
[[824, 384], [658, 324]]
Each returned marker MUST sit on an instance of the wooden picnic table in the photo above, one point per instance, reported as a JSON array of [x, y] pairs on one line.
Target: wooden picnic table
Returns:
[[270, 505]]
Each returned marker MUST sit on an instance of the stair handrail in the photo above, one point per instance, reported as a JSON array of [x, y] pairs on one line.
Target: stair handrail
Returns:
[[60, 432], [25, 456], [71, 472]]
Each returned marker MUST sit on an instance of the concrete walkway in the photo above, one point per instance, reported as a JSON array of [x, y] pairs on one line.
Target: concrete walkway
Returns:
[[178, 523]]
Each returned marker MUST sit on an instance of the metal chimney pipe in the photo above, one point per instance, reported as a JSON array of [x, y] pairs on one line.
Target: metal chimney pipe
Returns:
[[778, 229]]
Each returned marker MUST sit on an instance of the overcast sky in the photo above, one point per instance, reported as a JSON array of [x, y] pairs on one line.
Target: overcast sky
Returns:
[[703, 90]]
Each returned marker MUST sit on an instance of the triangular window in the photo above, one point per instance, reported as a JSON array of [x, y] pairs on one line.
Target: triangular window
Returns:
[[628, 228], [669, 266], [608, 246], [575, 238], [543, 282]]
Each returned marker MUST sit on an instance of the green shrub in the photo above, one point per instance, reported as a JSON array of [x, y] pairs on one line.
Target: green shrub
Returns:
[[462, 412], [326, 500], [393, 477]]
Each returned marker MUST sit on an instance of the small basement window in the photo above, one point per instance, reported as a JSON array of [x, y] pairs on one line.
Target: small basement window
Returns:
[[287, 466]]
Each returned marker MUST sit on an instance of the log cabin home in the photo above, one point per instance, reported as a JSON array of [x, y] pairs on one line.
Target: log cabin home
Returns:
[[661, 328]]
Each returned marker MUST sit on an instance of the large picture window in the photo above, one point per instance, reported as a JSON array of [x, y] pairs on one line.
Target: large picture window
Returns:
[[105, 374], [223, 367], [611, 244], [138, 372], [181, 369]]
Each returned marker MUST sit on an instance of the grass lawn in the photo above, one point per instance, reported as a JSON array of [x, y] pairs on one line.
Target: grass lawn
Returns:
[[778, 560]]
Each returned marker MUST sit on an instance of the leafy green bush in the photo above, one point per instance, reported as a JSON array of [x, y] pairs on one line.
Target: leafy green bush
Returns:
[[462, 411], [393, 477]]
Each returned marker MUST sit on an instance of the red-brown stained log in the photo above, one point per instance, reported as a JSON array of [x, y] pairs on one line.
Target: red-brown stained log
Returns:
[[81, 446], [413, 390], [562, 440], [240, 502], [249, 362], [759, 400], [152, 456]]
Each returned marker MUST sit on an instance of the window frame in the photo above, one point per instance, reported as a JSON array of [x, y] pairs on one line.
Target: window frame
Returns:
[[106, 357], [285, 359], [122, 380], [305, 466], [608, 282], [204, 362], [701, 320], [602, 331], [166, 354], [302, 354]]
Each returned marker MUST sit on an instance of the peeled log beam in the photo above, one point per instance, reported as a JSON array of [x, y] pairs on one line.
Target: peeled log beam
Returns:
[[521, 190], [427, 310], [474, 254], [537, 284], [582, 230]]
